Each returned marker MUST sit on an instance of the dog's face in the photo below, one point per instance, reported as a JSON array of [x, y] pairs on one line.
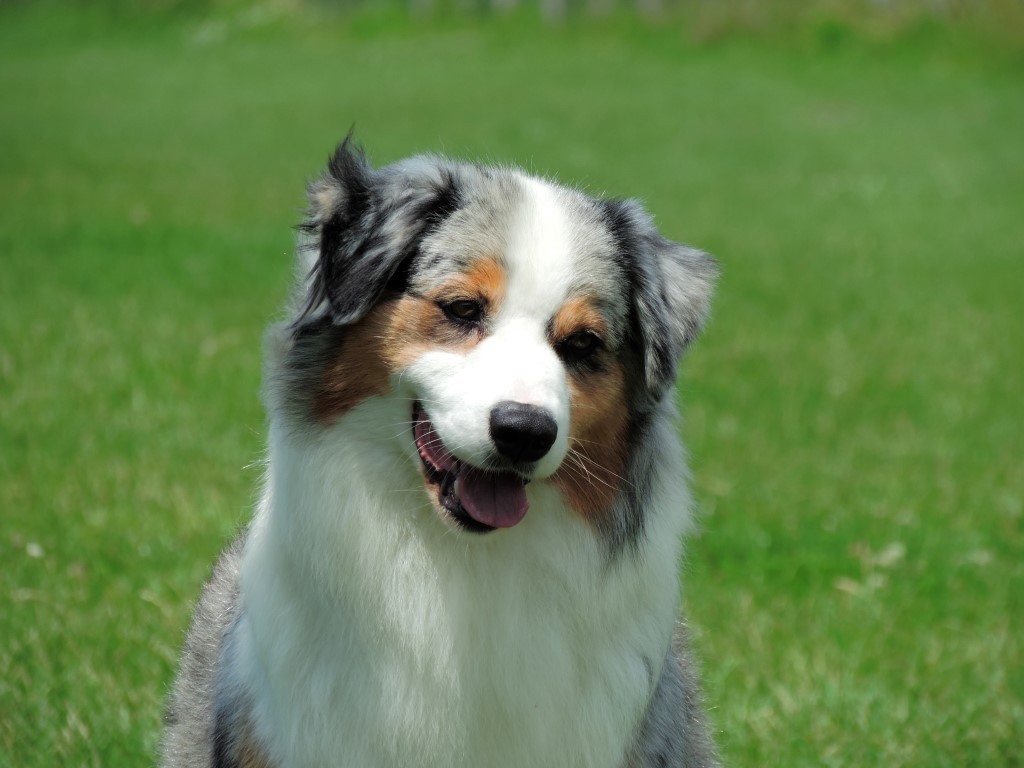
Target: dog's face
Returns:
[[527, 328]]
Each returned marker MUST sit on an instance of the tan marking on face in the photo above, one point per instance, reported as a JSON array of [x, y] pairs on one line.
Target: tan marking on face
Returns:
[[592, 473], [251, 755], [485, 280], [397, 331], [578, 314], [357, 369]]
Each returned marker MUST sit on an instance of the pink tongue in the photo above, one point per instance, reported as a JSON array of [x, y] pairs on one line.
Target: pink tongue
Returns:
[[497, 499]]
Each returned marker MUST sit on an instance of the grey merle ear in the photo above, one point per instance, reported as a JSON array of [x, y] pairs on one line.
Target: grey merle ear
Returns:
[[364, 227], [671, 287]]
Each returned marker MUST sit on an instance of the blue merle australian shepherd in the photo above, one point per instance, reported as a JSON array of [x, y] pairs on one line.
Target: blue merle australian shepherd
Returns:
[[467, 549]]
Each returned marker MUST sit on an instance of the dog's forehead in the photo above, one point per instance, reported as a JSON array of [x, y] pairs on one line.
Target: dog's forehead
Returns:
[[552, 243]]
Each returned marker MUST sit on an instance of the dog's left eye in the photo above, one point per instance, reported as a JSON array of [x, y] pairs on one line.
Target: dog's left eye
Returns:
[[579, 345], [463, 310]]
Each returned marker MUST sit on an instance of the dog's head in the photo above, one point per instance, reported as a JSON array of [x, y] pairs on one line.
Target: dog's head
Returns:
[[526, 329]]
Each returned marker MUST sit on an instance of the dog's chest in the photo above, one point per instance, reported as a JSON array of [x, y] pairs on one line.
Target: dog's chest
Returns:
[[477, 658]]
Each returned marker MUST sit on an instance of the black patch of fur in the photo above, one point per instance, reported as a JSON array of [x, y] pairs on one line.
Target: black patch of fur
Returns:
[[348, 168], [338, 274], [670, 290], [649, 309], [366, 245], [223, 743], [669, 287]]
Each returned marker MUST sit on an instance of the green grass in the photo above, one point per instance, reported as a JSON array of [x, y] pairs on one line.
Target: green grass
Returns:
[[854, 411]]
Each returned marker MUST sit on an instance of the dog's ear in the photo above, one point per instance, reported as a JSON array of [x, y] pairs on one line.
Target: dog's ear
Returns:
[[671, 287], [364, 227]]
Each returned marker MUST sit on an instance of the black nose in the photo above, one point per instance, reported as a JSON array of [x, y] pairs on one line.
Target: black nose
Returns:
[[522, 432]]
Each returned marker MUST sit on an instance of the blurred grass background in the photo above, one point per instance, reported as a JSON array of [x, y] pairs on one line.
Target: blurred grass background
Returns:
[[854, 411]]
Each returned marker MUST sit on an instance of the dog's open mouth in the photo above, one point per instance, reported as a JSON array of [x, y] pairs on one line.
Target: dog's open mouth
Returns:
[[476, 499]]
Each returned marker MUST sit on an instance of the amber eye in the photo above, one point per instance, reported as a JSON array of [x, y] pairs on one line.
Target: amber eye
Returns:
[[463, 310], [579, 345]]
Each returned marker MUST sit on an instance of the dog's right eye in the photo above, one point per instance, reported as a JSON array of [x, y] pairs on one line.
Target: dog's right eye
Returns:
[[463, 310], [579, 347]]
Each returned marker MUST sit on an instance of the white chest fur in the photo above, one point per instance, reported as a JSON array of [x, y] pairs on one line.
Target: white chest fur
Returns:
[[375, 636]]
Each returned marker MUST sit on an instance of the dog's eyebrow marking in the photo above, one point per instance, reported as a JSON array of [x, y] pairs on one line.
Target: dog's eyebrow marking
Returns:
[[578, 313], [485, 279]]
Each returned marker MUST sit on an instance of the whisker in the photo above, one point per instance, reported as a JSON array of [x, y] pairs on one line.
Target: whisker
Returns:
[[597, 465]]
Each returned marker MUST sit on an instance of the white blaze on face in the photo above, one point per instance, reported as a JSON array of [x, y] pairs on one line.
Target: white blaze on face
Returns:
[[515, 361], [539, 256]]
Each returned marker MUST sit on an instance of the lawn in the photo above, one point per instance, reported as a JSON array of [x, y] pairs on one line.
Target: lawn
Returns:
[[854, 412]]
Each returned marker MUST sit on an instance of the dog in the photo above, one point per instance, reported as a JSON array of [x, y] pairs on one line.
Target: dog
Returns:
[[467, 547]]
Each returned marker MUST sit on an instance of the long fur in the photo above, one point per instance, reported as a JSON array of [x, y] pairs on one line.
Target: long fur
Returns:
[[370, 615]]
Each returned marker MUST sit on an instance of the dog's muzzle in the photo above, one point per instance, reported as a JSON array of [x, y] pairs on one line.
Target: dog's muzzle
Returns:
[[481, 499]]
